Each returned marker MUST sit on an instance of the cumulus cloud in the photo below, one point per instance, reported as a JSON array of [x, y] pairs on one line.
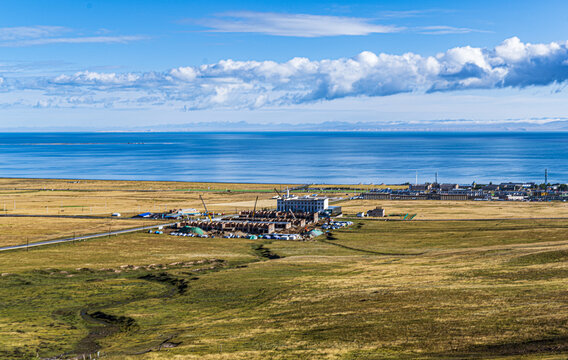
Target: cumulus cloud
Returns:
[[253, 84], [95, 78], [298, 25]]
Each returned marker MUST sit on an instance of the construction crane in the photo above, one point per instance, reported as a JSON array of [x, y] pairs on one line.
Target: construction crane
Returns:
[[205, 206], [281, 197], [254, 210], [294, 216]]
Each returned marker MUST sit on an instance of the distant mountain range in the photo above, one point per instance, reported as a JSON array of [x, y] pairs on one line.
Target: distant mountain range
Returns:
[[537, 125]]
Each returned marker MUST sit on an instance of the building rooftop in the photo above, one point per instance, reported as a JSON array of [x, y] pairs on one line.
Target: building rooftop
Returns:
[[304, 198]]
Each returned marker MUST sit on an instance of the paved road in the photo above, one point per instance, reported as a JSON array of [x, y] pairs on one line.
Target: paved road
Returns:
[[84, 237]]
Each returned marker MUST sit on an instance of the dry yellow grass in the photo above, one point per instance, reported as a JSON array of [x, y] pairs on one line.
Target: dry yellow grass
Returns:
[[125, 202], [101, 198], [16, 231], [70, 184], [434, 209]]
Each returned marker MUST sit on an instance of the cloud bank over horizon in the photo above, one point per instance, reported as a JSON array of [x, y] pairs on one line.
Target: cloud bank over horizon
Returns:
[[230, 84]]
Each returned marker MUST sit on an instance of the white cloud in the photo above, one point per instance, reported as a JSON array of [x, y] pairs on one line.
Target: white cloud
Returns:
[[298, 25], [94, 78], [184, 73], [20, 36], [400, 14], [306, 25], [75, 40], [253, 84], [444, 30], [513, 50], [30, 32]]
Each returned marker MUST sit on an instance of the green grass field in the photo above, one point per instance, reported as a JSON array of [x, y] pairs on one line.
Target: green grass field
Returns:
[[377, 290]]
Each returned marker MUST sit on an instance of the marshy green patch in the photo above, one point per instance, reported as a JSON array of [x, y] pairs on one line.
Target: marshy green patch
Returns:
[[264, 252], [543, 257]]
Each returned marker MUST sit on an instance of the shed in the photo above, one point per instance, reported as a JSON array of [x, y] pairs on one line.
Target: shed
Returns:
[[144, 215], [377, 212], [315, 233]]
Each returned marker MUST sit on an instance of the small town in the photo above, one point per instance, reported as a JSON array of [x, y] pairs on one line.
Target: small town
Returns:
[[509, 191]]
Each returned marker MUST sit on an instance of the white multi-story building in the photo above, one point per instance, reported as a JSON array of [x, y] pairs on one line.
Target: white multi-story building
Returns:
[[304, 204]]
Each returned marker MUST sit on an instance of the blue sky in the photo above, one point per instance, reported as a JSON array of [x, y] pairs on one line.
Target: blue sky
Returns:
[[104, 64]]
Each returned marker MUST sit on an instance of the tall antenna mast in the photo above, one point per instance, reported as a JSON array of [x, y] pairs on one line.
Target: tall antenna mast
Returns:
[[416, 183], [436, 177], [545, 176]]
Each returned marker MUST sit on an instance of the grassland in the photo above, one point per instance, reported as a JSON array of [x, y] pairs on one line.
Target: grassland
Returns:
[[103, 203], [378, 290], [94, 198], [101, 198], [440, 210], [19, 230], [114, 185]]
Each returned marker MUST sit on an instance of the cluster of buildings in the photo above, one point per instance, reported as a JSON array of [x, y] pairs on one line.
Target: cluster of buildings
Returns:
[[525, 191], [256, 222], [293, 215]]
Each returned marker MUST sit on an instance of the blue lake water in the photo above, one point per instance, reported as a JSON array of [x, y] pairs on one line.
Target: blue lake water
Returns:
[[288, 157]]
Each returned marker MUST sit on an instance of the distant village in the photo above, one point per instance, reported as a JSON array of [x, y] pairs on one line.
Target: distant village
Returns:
[[510, 191]]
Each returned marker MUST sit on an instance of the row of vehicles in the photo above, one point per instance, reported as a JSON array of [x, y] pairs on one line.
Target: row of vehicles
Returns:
[[234, 236], [190, 235], [282, 236], [333, 225]]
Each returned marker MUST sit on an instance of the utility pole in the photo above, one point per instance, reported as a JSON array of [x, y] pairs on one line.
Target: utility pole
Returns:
[[416, 183], [436, 177], [545, 177]]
